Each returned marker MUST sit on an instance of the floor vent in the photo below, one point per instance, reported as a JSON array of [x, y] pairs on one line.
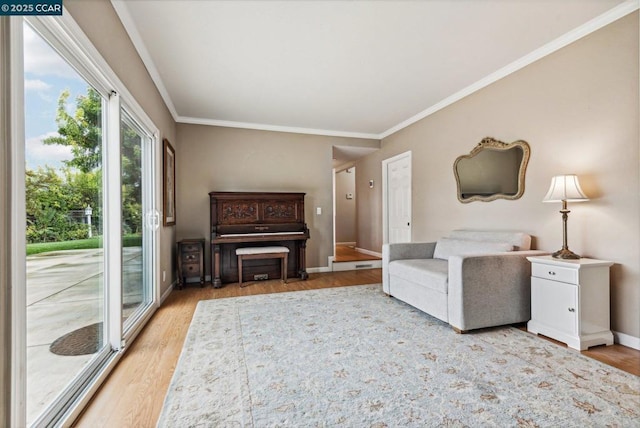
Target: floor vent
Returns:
[[356, 265]]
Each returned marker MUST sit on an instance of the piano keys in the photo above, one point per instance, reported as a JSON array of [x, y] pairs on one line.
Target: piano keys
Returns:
[[254, 219]]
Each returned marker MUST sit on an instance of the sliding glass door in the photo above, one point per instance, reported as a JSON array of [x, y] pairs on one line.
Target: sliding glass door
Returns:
[[65, 287], [90, 224], [137, 220]]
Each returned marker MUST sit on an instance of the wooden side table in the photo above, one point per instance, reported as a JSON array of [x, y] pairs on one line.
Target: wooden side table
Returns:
[[570, 301], [190, 260]]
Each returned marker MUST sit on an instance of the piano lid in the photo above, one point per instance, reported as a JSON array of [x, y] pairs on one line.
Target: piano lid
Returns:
[[263, 210]]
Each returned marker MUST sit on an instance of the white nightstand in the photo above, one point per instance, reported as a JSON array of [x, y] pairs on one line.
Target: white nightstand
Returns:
[[570, 301]]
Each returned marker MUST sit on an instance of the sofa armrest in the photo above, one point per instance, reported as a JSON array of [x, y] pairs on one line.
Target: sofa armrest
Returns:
[[408, 250], [490, 290], [403, 251]]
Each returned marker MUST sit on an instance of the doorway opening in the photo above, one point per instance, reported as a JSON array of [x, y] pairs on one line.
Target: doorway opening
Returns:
[[347, 254]]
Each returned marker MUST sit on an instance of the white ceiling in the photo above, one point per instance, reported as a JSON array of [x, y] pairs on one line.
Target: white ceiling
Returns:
[[349, 68]]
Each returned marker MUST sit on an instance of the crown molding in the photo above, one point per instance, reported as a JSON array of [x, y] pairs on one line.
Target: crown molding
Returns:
[[275, 128], [130, 27], [578, 33]]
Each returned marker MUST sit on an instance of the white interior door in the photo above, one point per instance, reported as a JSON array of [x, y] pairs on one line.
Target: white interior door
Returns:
[[397, 200]]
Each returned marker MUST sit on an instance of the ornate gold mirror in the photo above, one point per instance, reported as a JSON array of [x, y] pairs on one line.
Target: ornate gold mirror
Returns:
[[492, 170]]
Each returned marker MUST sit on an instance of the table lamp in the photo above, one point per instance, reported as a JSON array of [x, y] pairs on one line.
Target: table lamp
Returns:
[[565, 188]]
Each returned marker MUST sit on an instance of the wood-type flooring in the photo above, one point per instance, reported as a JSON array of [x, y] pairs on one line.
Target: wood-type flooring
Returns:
[[345, 253]]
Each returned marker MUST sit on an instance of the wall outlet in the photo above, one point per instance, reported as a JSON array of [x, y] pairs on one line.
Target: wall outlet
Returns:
[[318, 210], [164, 275]]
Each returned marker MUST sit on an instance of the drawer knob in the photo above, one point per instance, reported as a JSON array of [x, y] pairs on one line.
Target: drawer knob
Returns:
[[571, 310], [551, 272]]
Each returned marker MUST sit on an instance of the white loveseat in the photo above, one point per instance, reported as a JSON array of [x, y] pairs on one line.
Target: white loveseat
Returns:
[[471, 279]]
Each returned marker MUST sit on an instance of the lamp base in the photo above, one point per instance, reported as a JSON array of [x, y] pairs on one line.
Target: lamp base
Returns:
[[565, 253]]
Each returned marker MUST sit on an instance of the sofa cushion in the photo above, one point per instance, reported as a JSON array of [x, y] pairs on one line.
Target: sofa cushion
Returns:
[[431, 273], [520, 241], [447, 247]]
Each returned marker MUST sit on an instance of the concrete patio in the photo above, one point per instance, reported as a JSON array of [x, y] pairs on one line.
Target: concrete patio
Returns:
[[65, 293]]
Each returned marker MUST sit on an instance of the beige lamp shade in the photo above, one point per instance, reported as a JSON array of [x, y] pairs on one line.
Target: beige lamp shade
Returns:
[[565, 188]]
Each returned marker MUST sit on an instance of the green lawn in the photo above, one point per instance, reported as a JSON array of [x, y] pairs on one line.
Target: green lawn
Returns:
[[80, 244]]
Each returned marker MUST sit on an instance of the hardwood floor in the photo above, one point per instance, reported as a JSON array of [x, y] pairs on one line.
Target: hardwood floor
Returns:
[[345, 253], [133, 394], [622, 357]]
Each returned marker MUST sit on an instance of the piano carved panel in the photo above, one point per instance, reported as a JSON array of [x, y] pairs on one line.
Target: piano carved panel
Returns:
[[254, 219], [280, 211], [239, 213]]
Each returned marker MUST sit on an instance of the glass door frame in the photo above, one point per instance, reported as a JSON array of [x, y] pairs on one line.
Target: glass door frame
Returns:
[[150, 224], [14, 69], [65, 36]]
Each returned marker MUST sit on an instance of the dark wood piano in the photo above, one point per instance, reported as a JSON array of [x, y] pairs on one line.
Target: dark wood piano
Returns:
[[255, 219]]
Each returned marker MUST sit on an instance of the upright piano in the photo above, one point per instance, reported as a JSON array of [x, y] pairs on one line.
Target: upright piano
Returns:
[[255, 219]]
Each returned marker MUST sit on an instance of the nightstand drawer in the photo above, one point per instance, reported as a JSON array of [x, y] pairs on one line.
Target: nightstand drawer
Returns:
[[554, 273], [191, 247], [191, 269], [191, 257]]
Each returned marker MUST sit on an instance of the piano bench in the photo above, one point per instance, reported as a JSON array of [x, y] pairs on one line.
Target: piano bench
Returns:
[[251, 253]]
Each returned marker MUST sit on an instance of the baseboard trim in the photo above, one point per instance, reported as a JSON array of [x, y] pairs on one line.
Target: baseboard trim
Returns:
[[351, 244], [168, 291], [321, 269], [626, 340], [368, 252]]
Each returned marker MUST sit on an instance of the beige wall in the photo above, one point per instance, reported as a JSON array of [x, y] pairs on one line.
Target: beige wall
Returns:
[[346, 208], [578, 109], [101, 24], [211, 158]]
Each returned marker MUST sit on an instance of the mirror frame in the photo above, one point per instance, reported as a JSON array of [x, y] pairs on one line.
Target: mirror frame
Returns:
[[489, 143]]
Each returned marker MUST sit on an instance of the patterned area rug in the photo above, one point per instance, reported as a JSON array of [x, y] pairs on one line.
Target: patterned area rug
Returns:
[[353, 357]]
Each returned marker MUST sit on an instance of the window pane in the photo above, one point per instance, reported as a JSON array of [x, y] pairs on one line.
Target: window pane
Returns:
[[64, 200], [136, 293]]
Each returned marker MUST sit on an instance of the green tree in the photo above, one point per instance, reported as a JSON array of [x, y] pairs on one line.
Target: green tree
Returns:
[[131, 158], [81, 131], [82, 177], [51, 197]]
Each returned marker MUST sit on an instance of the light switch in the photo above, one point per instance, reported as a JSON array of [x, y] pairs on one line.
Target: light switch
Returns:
[[318, 210]]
